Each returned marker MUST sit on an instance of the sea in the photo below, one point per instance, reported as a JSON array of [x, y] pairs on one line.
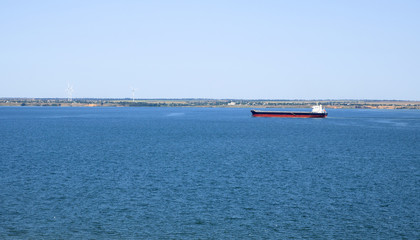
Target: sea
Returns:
[[208, 173]]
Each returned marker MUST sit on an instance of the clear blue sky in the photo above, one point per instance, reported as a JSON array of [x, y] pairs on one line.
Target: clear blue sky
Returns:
[[211, 49]]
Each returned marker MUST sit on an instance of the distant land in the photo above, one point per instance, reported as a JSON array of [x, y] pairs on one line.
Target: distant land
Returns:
[[233, 103]]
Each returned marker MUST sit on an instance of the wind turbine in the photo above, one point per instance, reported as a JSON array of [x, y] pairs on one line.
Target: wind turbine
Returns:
[[133, 90], [69, 91]]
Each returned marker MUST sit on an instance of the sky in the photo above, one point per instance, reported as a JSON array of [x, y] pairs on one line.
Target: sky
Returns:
[[296, 49]]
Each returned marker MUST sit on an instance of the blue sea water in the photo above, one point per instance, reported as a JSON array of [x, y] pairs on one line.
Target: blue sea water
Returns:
[[208, 173]]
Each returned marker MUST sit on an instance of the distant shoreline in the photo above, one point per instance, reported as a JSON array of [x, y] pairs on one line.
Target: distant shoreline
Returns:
[[226, 103]]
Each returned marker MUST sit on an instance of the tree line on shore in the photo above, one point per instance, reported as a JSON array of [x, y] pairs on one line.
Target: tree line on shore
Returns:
[[93, 102]]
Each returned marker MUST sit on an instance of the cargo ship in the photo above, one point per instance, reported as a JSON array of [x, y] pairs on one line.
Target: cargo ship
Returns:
[[317, 112]]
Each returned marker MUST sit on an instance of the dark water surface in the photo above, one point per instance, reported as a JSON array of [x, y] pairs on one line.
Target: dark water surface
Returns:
[[198, 173]]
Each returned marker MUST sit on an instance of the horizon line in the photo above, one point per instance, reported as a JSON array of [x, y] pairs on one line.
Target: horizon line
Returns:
[[223, 99]]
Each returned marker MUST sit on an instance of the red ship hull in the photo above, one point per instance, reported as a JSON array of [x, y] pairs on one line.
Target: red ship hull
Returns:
[[256, 113]]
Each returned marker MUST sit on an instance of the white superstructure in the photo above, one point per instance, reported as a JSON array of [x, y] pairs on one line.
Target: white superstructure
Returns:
[[318, 109]]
